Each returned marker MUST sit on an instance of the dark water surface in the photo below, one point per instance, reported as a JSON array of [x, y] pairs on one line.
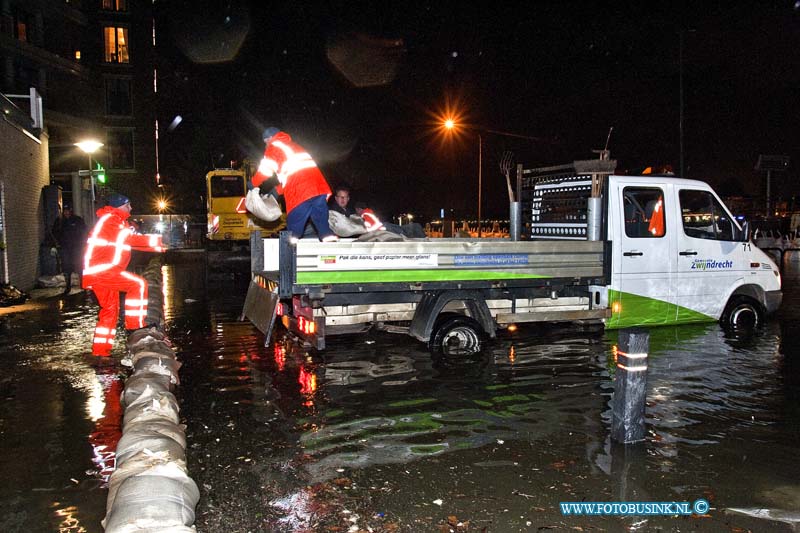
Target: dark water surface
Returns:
[[378, 435]]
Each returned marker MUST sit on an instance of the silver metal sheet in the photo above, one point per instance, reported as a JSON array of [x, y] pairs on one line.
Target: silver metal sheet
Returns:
[[260, 307]]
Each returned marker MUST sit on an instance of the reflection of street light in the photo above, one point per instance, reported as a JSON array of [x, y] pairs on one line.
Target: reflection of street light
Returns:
[[90, 146]]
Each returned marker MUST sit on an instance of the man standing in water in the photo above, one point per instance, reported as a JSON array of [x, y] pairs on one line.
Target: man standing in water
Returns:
[[108, 253]]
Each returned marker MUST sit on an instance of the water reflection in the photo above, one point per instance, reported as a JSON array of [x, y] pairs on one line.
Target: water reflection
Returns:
[[105, 411], [60, 420]]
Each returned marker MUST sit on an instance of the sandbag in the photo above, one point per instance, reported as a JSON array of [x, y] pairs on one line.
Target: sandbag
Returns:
[[155, 435], [345, 226], [144, 343], [264, 207], [144, 462], [139, 382], [381, 235], [163, 406], [165, 366], [149, 503], [152, 350]]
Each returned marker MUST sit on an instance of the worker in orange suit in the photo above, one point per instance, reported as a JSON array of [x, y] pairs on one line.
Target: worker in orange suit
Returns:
[[656, 225], [108, 252], [292, 171]]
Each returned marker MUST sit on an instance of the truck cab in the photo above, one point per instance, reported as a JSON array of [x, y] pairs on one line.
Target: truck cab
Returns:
[[680, 256]]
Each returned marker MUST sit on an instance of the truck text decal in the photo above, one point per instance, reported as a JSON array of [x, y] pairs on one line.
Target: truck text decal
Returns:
[[377, 261], [491, 259], [711, 264]]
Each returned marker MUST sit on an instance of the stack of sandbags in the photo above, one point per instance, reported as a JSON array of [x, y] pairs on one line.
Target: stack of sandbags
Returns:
[[150, 489]]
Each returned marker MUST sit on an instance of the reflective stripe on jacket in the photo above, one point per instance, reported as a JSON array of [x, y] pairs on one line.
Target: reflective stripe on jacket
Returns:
[[108, 248], [299, 177]]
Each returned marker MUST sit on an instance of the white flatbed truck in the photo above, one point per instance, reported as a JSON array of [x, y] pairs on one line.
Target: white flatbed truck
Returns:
[[585, 245]]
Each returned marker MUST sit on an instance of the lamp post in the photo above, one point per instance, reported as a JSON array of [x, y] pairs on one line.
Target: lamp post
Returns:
[[89, 146], [450, 124]]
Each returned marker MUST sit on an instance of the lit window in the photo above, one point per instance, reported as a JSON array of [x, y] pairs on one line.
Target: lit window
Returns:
[[116, 45], [78, 55], [22, 26], [22, 31], [115, 5]]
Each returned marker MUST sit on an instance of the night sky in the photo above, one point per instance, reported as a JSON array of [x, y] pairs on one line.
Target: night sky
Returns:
[[363, 86]]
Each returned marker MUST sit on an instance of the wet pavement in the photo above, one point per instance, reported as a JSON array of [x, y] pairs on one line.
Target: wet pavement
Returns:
[[378, 435]]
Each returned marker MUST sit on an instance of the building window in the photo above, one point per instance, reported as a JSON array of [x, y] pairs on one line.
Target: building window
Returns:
[[115, 5], [77, 55], [118, 97], [22, 26], [120, 149], [116, 45]]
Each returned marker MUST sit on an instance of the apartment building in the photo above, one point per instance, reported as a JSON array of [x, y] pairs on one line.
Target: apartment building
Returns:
[[92, 62]]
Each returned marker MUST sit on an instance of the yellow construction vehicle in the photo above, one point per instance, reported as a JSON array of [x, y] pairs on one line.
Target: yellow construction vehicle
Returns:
[[229, 223]]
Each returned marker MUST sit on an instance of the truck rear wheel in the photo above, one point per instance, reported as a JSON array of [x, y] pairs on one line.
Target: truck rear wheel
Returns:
[[742, 313], [456, 334]]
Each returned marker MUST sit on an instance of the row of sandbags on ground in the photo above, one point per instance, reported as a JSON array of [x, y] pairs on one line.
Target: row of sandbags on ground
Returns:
[[150, 489]]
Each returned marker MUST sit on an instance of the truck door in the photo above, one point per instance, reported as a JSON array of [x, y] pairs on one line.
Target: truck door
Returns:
[[709, 261], [643, 269]]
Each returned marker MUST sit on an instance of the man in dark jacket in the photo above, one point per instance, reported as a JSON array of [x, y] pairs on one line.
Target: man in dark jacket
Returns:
[[69, 231], [340, 201]]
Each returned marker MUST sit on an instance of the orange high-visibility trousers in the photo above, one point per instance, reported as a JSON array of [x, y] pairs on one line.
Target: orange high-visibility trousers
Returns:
[[107, 292]]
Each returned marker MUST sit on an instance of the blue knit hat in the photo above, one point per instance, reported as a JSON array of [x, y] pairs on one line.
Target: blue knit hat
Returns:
[[117, 200], [269, 133]]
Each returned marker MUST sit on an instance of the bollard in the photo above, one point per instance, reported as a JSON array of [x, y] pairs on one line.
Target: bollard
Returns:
[[630, 386]]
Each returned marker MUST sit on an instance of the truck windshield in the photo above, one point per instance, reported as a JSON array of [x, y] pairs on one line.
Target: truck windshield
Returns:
[[227, 186]]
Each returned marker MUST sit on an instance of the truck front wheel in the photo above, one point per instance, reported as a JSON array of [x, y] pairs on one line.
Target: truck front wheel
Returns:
[[456, 334], [742, 313]]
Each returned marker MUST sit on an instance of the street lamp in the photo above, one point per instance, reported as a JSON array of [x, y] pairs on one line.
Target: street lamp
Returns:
[[162, 206], [452, 125], [89, 146]]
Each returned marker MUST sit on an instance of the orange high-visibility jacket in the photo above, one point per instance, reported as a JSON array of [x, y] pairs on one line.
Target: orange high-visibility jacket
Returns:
[[299, 177], [108, 248]]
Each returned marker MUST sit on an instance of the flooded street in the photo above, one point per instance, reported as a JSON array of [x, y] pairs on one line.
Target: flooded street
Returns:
[[375, 434]]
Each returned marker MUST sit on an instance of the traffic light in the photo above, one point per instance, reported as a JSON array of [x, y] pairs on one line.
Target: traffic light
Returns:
[[100, 172]]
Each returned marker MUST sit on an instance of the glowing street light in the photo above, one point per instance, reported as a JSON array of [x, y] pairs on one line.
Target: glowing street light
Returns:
[[451, 126], [163, 205], [90, 146]]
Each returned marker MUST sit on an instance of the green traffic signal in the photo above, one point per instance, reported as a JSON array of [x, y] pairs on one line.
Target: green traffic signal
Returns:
[[100, 173]]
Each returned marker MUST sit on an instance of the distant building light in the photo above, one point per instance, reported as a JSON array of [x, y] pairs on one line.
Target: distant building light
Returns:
[[78, 55]]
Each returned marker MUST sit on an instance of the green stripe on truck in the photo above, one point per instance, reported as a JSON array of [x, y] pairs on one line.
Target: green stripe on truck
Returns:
[[629, 310]]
